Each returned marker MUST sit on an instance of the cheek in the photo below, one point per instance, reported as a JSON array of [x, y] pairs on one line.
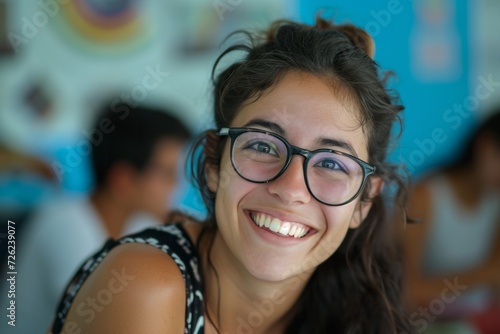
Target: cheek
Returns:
[[229, 183], [231, 192], [231, 189], [338, 220]]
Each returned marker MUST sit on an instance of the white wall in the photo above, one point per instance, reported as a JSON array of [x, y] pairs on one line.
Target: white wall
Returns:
[[78, 79]]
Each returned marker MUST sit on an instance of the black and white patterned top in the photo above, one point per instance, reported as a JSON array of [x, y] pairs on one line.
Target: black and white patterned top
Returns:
[[171, 239]]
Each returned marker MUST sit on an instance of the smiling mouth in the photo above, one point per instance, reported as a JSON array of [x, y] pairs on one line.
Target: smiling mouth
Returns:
[[273, 224]]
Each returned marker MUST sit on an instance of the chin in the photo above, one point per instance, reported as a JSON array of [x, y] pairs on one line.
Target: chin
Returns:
[[269, 271], [270, 276]]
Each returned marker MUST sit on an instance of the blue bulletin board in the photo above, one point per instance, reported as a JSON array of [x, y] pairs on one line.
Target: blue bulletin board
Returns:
[[426, 44]]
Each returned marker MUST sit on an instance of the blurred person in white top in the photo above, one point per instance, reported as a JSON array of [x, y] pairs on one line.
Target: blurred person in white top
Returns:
[[135, 158], [453, 253]]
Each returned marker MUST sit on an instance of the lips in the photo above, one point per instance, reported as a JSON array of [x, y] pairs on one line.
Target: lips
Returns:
[[284, 228]]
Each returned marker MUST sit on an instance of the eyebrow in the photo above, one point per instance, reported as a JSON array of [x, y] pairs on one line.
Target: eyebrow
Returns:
[[337, 143], [267, 124], [323, 141]]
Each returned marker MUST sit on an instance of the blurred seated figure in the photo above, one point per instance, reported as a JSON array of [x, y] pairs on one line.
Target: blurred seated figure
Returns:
[[453, 252], [135, 158]]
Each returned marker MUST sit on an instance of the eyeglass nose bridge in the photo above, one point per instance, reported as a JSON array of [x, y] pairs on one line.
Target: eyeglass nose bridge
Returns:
[[300, 151], [294, 150]]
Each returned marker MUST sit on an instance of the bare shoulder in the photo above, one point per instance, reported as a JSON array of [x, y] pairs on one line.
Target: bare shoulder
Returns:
[[137, 288]]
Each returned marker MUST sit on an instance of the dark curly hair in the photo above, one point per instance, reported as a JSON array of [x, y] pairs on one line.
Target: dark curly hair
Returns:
[[357, 289]]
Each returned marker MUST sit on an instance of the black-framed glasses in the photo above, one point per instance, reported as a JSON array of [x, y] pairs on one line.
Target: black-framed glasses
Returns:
[[332, 177]]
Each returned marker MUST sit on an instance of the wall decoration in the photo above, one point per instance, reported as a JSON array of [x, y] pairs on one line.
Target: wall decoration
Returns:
[[108, 27], [206, 23], [436, 42]]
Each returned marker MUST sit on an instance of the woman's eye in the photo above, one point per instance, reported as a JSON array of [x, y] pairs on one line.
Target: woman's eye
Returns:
[[263, 147], [330, 164]]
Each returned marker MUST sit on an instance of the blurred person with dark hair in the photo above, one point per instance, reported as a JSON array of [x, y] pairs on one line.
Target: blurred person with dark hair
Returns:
[[453, 253], [135, 165], [135, 157]]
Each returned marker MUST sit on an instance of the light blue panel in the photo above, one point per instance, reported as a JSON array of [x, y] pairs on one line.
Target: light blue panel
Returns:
[[426, 47]]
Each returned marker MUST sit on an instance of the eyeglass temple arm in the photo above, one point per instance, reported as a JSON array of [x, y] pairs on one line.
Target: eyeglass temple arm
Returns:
[[223, 132]]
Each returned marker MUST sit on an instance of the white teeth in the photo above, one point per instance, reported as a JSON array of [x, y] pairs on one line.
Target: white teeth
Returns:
[[295, 230], [267, 223], [285, 227], [258, 219], [261, 220], [298, 233], [275, 225]]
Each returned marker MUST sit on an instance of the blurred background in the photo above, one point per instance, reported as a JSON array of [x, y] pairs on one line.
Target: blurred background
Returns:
[[59, 59]]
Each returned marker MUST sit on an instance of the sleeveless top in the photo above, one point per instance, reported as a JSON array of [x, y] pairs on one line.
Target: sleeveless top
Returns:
[[171, 239], [458, 240]]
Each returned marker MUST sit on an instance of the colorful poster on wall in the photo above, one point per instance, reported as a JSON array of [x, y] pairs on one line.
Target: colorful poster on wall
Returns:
[[485, 50], [435, 42], [207, 23], [109, 27]]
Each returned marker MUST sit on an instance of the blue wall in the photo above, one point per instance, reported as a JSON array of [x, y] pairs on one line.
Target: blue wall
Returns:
[[434, 128]]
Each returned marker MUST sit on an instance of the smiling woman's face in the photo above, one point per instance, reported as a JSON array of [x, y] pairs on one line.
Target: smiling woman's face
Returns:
[[308, 111]]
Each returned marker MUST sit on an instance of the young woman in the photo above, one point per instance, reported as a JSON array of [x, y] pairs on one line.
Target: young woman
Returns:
[[296, 239]]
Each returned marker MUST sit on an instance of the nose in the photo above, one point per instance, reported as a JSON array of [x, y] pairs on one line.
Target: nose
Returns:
[[291, 186]]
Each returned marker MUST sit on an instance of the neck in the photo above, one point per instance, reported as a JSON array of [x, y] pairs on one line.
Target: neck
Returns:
[[113, 215], [246, 303]]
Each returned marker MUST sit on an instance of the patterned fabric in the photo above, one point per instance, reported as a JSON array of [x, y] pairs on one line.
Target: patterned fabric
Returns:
[[171, 239]]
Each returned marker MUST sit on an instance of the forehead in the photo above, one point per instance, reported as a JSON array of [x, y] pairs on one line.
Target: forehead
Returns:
[[308, 108]]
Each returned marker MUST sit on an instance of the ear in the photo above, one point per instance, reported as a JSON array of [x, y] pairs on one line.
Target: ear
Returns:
[[373, 189]]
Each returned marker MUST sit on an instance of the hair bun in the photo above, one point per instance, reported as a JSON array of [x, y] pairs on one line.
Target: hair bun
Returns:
[[358, 37]]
